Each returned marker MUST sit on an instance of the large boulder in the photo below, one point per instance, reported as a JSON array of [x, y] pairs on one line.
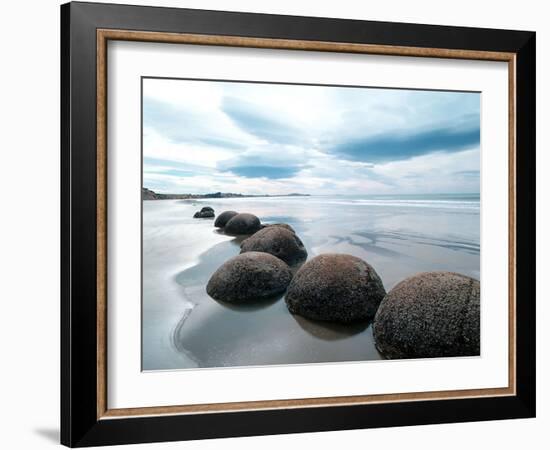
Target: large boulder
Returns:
[[277, 241], [432, 314], [249, 277], [286, 226], [336, 288], [204, 214], [223, 218], [242, 223]]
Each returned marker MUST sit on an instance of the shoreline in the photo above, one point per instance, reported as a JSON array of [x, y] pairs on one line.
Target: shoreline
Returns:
[[164, 301]]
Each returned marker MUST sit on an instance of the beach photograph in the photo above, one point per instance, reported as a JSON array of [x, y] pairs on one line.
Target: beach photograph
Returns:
[[299, 224]]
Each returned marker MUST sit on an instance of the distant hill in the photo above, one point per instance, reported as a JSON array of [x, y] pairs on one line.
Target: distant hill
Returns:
[[148, 194]]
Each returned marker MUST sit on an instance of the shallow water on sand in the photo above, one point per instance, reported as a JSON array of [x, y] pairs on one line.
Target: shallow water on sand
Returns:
[[184, 328]]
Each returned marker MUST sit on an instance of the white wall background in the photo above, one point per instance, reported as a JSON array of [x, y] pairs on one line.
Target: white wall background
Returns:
[[29, 223]]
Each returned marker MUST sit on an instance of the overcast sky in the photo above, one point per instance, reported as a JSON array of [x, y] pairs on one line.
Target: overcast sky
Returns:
[[251, 138]]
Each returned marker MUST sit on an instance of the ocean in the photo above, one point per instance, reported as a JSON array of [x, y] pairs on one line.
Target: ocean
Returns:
[[399, 235]]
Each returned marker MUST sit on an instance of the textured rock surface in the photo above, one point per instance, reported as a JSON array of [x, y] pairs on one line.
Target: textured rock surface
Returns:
[[277, 241], [203, 214], [243, 223], [431, 314], [249, 277], [223, 218], [283, 225], [335, 287]]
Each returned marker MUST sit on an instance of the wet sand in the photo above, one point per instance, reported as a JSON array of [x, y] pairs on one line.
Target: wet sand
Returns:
[[184, 328]]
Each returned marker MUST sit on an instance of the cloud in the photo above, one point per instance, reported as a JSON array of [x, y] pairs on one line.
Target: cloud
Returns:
[[433, 172], [195, 155], [268, 161], [179, 124], [266, 171], [163, 166], [467, 173], [405, 144], [259, 121]]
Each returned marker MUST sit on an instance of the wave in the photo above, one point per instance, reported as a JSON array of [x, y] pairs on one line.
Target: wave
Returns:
[[439, 204], [462, 203]]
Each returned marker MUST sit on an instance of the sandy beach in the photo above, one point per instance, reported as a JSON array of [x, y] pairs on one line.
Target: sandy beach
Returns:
[[185, 328]]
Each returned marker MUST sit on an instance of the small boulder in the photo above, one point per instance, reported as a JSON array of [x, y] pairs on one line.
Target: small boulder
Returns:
[[282, 225], [431, 314], [336, 288], [207, 214], [223, 218], [249, 277], [242, 223], [277, 241]]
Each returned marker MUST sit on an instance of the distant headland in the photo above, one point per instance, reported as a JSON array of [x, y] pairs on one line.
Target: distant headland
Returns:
[[148, 194]]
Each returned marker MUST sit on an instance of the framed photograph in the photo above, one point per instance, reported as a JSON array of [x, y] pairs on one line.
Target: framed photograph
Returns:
[[278, 224]]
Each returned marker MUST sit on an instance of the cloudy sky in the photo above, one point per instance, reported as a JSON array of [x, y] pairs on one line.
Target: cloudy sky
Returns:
[[251, 138]]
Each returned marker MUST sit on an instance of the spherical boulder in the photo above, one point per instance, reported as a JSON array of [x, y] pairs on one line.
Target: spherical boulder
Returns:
[[336, 288], [223, 218], [286, 226], [277, 241], [431, 314], [242, 223], [249, 277], [207, 208], [203, 214]]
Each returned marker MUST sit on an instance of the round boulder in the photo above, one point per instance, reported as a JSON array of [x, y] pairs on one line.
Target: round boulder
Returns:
[[286, 226], [431, 314], [223, 218], [335, 288], [249, 277], [203, 214], [242, 223], [207, 208], [277, 241]]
